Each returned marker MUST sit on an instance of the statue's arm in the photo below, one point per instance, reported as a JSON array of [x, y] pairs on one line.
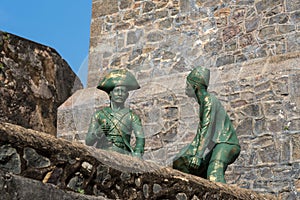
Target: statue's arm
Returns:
[[204, 124], [94, 128], [205, 116], [139, 134]]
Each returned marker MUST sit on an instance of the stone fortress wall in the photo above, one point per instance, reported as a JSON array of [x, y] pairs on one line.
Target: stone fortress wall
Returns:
[[155, 38], [252, 48]]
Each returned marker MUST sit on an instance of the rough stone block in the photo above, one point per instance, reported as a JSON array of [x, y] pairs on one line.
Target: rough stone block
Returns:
[[292, 5], [296, 147], [34, 81], [18, 187], [252, 24], [267, 32], [102, 8], [266, 4]]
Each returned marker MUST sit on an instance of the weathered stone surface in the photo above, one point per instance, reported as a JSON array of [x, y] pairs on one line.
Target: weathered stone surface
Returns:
[[34, 81], [155, 36], [121, 26], [148, 6], [104, 7], [252, 24], [102, 173], [133, 37], [225, 60], [35, 160], [165, 24], [260, 28], [296, 145], [266, 32], [292, 5], [265, 4], [279, 19], [231, 32], [213, 45], [125, 4], [246, 40], [10, 159], [293, 42], [237, 15], [15, 187], [207, 3]]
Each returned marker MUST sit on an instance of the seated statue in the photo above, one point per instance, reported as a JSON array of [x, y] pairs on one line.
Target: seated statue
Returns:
[[215, 145], [111, 127]]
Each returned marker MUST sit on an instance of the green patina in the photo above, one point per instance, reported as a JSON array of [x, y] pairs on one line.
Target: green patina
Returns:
[[111, 127], [215, 145]]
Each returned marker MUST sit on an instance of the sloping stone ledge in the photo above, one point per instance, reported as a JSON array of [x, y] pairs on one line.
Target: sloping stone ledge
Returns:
[[74, 166], [14, 187]]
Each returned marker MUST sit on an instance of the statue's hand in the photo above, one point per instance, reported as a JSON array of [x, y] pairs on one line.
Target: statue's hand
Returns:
[[101, 131], [195, 162]]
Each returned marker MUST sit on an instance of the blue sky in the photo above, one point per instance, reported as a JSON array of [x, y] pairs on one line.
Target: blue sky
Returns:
[[61, 24]]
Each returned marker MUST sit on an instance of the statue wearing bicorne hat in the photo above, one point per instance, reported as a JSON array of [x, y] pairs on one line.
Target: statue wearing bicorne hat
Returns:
[[111, 127]]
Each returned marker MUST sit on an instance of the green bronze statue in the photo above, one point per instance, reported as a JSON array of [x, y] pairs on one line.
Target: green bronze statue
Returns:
[[111, 127], [215, 145]]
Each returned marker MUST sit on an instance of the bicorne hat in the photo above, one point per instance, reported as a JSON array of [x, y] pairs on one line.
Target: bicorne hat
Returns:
[[118, 77]]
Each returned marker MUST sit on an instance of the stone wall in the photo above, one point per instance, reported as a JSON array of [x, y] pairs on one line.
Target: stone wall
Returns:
[[252, 49], [156, 38], [96, 173], [34, 81]]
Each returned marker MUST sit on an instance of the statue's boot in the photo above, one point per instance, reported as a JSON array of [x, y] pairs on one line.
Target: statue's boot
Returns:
[[181, 165], [216, 171]]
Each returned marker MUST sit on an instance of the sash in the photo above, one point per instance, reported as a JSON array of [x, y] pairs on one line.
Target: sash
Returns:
[[115, 119]]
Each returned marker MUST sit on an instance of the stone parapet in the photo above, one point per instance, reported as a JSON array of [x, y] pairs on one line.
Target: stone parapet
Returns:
[[107, 175], [15, 187]]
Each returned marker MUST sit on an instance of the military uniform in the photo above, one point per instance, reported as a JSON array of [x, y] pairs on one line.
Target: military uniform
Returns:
[[111, 129]]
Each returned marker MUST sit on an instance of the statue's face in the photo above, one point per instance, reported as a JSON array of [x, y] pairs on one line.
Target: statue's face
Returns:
[[189, 90], [119, 94]]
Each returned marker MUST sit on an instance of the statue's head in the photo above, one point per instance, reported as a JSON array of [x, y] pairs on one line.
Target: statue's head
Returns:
[[199, 76], [118, 77], [119, 94]]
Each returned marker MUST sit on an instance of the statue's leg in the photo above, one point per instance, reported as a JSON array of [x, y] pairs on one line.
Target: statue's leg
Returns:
[[223, 154], [216, 170], [181, 165]]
